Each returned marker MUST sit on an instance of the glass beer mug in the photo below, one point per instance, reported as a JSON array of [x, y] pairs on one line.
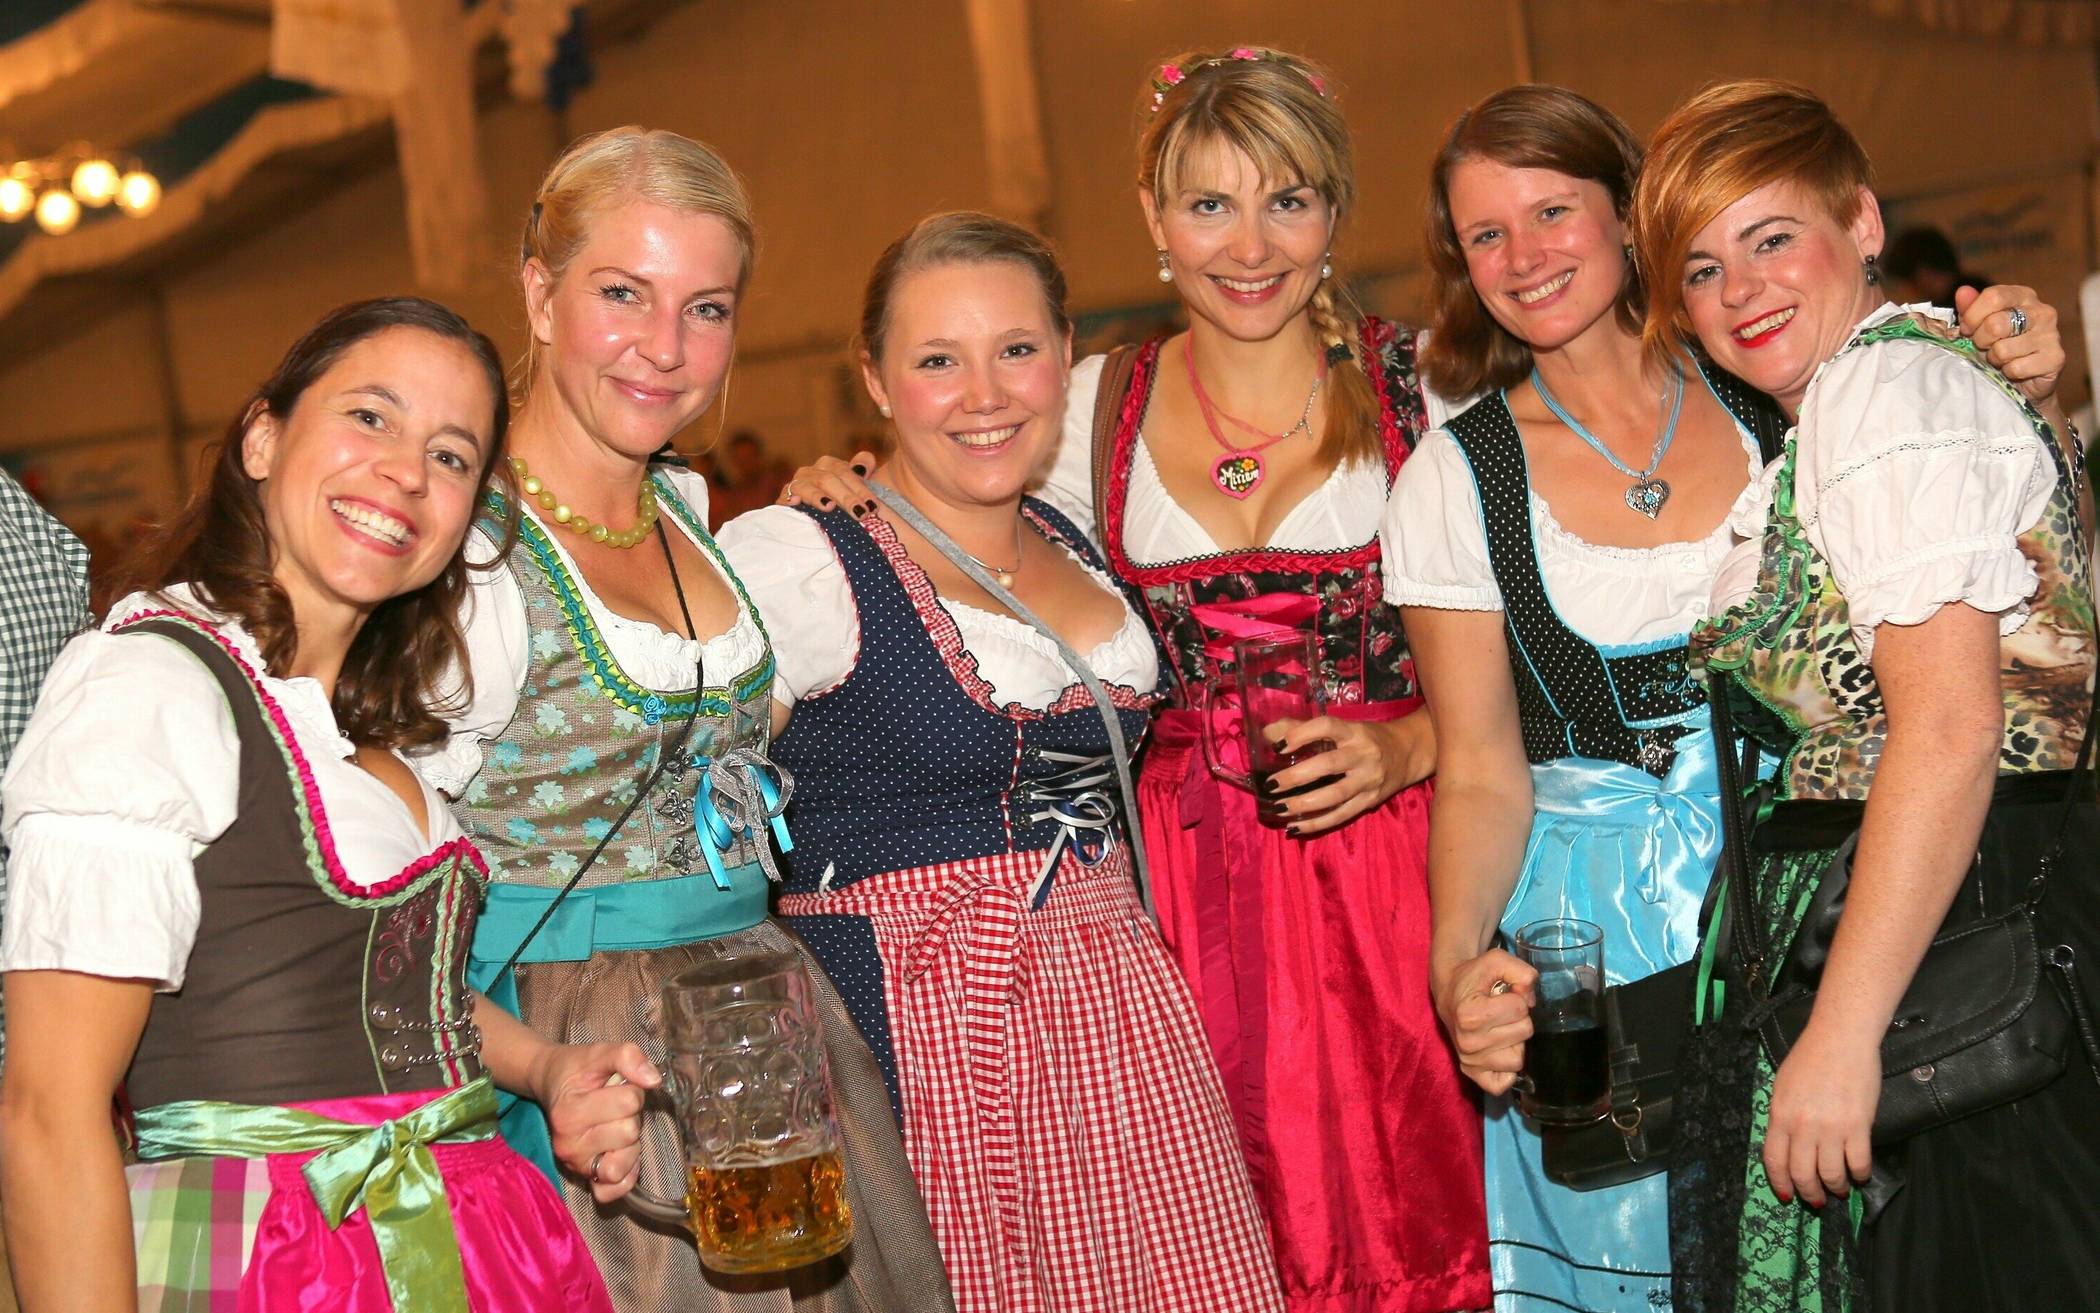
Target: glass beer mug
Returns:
[[748, 1082], [1277, 678]]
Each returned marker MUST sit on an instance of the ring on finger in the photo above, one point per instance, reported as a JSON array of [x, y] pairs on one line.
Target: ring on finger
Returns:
[[2019, 321], [597, 1158]]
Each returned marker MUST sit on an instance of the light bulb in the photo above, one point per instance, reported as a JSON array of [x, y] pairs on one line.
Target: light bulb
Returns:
[[17, 199], [139, 193], [57, 212], [95, 182]]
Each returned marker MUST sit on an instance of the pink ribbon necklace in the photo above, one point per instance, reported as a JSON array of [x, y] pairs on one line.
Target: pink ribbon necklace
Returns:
[[1239, 471]]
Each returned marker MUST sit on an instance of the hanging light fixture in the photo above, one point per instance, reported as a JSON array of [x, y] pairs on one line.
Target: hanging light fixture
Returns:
[[55, 187], [95, 182], [138, 193], [17, 199], [57, 212]]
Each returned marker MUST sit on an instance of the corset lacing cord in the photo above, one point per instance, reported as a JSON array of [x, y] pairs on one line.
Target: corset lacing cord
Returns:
[[1085, 813]]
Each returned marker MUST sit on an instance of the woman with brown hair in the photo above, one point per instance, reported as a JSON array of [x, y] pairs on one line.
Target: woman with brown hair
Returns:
[[233, 898], [1906, 623]]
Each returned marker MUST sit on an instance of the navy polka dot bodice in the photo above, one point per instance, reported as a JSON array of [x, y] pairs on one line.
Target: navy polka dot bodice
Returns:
[[908, 761]]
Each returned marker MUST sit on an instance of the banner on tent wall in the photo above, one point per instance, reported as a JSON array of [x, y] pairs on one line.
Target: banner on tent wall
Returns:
[[2032, 233]]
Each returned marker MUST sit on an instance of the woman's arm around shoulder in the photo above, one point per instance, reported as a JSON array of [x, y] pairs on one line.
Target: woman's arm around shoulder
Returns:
[[479, 703]]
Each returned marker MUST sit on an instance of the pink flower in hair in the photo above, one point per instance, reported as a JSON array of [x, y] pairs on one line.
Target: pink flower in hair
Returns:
[[1245, 52], [1170, 74], [1319, 84]]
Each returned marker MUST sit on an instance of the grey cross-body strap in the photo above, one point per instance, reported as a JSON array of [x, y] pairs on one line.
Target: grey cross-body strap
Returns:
[[911, 515]]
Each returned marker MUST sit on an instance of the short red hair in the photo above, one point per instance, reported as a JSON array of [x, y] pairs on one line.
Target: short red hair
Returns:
[[1713, 150]]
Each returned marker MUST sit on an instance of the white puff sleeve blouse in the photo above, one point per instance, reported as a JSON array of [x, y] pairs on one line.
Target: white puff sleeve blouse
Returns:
[[801, 589], [130, 766], [1915, 476]]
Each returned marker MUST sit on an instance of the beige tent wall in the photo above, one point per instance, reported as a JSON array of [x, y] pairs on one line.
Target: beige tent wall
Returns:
[[849, 121]]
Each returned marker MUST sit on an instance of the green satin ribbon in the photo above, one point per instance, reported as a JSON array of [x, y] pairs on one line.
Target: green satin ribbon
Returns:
[[387, 1170]]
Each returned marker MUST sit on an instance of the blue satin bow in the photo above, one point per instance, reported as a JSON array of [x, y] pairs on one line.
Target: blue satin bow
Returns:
[[739, 791]]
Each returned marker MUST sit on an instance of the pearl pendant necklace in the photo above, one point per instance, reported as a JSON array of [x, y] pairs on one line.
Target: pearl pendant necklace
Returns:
[[531, 485]]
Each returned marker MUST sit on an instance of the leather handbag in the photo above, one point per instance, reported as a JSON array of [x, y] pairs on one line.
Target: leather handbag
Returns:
[[1978, 1026], [1644, 1026]]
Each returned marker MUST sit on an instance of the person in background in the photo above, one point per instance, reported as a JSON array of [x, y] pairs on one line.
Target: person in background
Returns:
[[43, 602], [1922, 266], [611, 635], [234, 900], [745, 480]]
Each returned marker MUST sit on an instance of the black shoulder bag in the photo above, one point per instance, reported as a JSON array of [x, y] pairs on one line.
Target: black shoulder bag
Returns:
[[1977, 1028]]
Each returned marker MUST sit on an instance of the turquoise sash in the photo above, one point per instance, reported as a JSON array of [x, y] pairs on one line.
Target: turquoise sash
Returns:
[[640, 914]]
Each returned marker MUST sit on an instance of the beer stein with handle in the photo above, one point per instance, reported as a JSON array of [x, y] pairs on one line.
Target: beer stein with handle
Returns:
[[751, 1091]]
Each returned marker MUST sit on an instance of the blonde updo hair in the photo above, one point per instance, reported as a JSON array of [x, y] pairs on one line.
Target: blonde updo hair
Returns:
[[958, 237], [1274, 108], [612, 168], [1715, 149]]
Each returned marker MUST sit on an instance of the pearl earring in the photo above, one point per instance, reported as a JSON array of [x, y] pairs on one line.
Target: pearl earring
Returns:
[[1327, 266], [885, 411], [1166, 275], [1873, 271]]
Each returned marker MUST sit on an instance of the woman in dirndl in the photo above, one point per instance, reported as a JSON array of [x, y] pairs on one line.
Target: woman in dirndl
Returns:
[[959, 866], [233, 900], [612, 633], [1907, 622]]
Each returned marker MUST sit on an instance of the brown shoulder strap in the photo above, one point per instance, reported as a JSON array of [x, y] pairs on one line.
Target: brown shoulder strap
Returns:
[[1108, 405]]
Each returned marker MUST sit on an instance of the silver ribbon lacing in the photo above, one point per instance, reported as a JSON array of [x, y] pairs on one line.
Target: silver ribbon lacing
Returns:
[[742, 793], [1077, 799]]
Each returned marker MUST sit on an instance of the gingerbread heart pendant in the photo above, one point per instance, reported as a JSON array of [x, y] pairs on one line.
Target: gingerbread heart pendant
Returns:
[[1238, 474]]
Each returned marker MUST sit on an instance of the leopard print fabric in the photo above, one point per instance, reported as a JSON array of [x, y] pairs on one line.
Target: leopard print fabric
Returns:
[[1811, 692]]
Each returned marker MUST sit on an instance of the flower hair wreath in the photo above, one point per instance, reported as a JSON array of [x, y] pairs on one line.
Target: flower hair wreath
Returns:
[[1170, 76]]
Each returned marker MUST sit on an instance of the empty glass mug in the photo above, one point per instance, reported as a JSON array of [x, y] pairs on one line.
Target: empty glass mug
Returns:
[[748, 1082], [1276, 678]]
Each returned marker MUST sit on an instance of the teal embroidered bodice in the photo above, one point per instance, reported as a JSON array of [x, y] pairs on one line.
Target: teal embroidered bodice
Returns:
[[586, 734]]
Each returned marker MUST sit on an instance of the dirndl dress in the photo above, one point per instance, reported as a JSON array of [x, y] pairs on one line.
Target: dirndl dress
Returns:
[[1625, 834], [1309, 958], [952, 872], [1993, 1212], [682, 884], [319, 1060]]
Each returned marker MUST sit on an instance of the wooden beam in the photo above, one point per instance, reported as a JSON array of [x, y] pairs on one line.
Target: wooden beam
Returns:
[[1016, 161]]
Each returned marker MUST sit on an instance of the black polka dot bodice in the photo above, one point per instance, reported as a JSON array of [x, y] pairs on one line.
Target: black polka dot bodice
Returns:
[[1576, 699]]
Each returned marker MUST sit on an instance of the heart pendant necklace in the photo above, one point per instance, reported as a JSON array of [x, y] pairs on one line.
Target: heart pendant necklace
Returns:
[[1239, 471], [1648, 493]]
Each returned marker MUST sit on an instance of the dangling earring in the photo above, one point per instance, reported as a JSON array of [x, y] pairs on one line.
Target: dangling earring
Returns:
[[1166, 275], [1873, 271], [1327, 266]]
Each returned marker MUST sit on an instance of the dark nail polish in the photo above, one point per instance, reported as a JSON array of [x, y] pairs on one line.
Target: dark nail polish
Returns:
[[1270, 807], [1290, 831], [865, 507], [824, 502], [1280, 745], [860, 469]]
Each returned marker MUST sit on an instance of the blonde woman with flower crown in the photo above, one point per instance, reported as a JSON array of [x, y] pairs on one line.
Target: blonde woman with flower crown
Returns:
[[612, 620], [1235, 483]]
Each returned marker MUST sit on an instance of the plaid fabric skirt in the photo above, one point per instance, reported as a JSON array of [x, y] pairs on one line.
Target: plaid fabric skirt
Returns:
[[1061, 1110], [244, 1235]]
